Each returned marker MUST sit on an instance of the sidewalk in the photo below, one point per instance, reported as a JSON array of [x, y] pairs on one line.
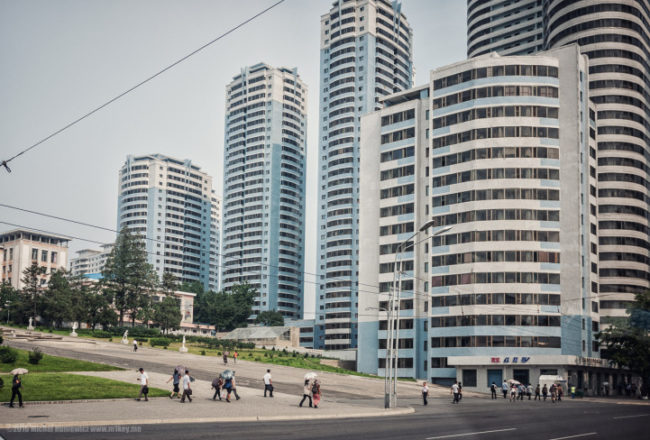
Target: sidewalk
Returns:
[[252, 407]]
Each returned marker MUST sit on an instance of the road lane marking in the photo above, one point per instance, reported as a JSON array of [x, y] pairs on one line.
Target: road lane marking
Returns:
[[469, 433], [574, 436], [631, 417]]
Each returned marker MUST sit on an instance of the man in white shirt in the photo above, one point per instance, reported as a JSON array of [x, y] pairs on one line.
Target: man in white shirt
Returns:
[[268, 383], [455, 392], [144, 385], [187, 389]]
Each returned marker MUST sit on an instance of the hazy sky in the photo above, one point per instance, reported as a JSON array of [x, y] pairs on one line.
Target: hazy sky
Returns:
[[61, 58]]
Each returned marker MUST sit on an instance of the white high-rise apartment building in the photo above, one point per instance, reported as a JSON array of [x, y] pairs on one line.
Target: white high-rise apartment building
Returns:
[[264, 187], [90, 261], [171, 204], [365, 54], [615, 36], [500, 153]]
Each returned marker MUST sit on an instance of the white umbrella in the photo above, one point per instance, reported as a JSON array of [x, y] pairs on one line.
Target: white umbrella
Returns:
[[310, 376], [19, 371], [514, 382]]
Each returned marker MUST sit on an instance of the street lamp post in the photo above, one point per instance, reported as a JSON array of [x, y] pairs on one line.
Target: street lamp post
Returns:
[[392, 347], [7, 304]]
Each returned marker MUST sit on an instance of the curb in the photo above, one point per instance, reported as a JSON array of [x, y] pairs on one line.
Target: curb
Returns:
[[383, 413]]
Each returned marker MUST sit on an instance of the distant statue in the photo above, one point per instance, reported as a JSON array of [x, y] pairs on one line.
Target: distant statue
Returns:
[[73, 333], [125, 338], [30, 326], [183, 348]]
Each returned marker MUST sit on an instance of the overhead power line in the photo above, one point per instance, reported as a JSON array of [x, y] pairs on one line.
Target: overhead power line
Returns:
[[5, 163]]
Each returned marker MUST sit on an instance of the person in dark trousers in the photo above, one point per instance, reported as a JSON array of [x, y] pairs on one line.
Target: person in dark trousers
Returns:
[[217, 383], [454, 391], [176, 378], [505, 388], [537, 393], [268, 383], [306, 393], [135, 345], [545, 392], [227, 385], [460, 391], [16, 384], [493, 389], [425, 393], [234, 386], [144, 385], [187, 389]]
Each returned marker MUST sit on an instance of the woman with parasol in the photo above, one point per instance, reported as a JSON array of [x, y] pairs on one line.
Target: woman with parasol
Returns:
[[306, 390], [16, 385]]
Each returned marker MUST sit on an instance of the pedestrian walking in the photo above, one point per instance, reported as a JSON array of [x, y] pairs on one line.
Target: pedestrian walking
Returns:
[[234, 386], [217, 383], [560, 392], [573, 391], [425, 393], [315, 392], [144, 385], [537, 393], [187, 389], [553, 391], [460, 391], [227, 385], [493, 390], [522, 391], [268, 383], [306, 393], [16, 385], [176, 378], [505, 389], [513, 392], [454, 392], [545, 392], [529, 391], [225, 357], [135, 345], [235, 355]]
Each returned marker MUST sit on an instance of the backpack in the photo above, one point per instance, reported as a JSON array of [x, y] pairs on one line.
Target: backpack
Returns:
[[215, 382], [314, 389]]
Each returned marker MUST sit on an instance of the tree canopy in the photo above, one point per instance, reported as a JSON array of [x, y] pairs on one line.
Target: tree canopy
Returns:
[[270, 318], [226, 310], [627, 344]]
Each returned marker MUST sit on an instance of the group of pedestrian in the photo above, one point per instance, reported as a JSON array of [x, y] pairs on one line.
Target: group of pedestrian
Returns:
[[519, 391], [311, 391]]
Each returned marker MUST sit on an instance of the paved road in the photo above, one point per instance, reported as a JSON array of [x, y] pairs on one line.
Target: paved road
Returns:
[[473, 419]]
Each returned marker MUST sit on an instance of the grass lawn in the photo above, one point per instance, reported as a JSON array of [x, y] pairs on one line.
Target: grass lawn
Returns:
[[62, 386], [54, 364]]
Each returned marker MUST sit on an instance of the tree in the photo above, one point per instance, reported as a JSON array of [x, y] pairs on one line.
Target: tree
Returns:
[[58, 302], [225, 310], [95, 307], [127, 276], [169, 283], [9, 300], [270, 318], [31, 292], [628, 344], [167, 313]]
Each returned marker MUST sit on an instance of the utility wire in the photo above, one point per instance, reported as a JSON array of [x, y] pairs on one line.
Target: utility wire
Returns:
[[415, 293], [5, 163]]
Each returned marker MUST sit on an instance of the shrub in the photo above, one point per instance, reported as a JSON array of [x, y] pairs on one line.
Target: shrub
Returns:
[[160, 342], [100, 334], [306, 355], [202, 352], [2, 383], [8, 355], [110, 339], [35, 356], [1, 339]]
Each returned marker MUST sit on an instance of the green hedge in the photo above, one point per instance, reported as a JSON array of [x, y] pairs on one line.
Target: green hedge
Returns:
[[159, 342]]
